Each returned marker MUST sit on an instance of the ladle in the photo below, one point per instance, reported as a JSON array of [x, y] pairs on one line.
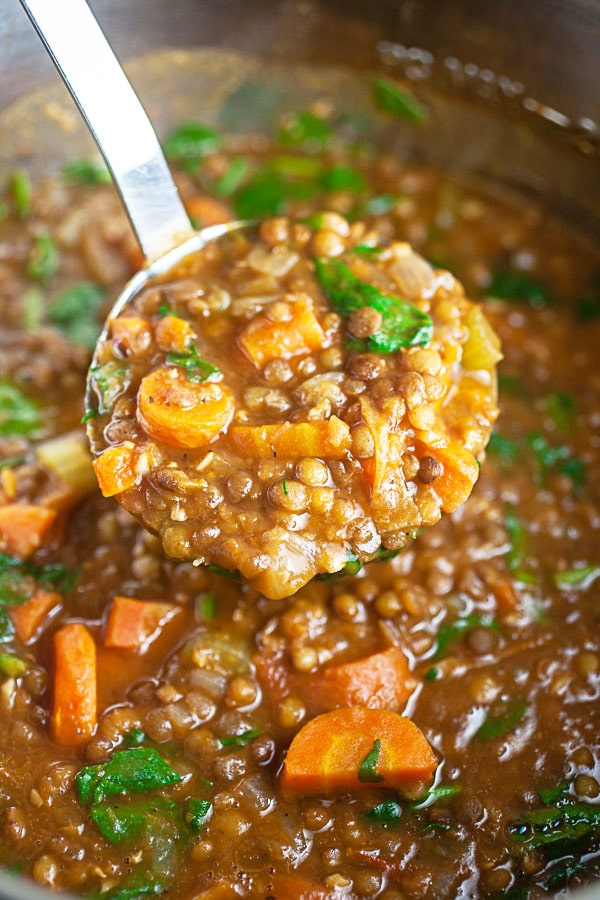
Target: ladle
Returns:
[[125, 137]]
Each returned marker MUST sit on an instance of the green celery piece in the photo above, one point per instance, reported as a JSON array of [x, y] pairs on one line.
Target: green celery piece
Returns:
[[342, 177], [367, 770], [196, 368], [75, 313], [19, 415], [305, 130], [127, 771], [450, 631], [562, 409], [386, 813], [232, 177], [580, 577], [504, 449], [391, 98], [11, 665], [20, 189], [187, 144], [43, 258], [510, 284], [497, 725], [86, 171], [239, 740], [569, 822], [198, 813], [109, 380], [518, 546], [403, 325]]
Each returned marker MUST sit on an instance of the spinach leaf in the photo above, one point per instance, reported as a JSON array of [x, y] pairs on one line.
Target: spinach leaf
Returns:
[[198, 813], [367, 770], [187, 144], [75, 313], [403, 325], [304, 130], [450, 631], [196, 368], [386, 813], [504, 449], [19, 415], [391, 98], [43, 258], [510, 284], [127, 771], [343, 178], [232, 177], [496, 725], [550, 824], [86, 171]]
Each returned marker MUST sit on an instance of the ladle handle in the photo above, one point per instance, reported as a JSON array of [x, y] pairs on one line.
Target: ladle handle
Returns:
[[117, 120]]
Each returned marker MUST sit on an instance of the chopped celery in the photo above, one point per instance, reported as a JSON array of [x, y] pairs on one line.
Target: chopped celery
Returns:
[[67, 456]]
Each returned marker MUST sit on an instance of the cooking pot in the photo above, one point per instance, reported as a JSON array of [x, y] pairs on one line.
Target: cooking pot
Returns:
[[513, 87]]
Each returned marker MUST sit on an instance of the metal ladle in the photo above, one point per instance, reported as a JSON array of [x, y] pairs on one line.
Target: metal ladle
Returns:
[[126, 139]]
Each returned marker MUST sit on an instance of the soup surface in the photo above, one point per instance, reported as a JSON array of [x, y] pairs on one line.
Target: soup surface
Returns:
[[165, 728]]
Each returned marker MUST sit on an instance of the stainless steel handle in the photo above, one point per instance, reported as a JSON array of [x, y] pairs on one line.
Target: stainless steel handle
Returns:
[[116, 119]]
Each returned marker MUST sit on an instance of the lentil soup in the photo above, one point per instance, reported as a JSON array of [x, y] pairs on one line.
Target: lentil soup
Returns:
[[427, 727]]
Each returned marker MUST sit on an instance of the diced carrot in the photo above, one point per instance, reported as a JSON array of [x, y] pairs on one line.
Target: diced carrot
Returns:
[[180, 412], [460, 473], [116, 469], [130, 333], [330, 753], [74, 713], [23, 527], [134, 624], [27, 617], [264, 339], [292, 440], [206, 210], [173, 334], [379, 681]]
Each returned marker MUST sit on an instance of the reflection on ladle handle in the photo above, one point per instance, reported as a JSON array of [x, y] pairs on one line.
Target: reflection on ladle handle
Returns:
[[116, 119]]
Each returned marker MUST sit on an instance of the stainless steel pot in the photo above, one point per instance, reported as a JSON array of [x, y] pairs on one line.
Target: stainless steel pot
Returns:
[[514, 87]]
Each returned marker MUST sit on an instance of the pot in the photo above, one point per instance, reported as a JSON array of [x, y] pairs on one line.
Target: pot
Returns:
[[513, 87]]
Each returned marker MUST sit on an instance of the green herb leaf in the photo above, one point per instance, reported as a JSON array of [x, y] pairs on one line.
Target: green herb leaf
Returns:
[[548, 457], [570, 822], [197, 369], [343, 178], [562, 409], [134, 738], [19, 415], [206, 606], [239, 740], [190, 142], [33, 308], [20, 189], [510, 284], [198, 813], [367, 770], [519, 546], [391, 98], [109, 381], [43, 258], [11, 462], [86, 171], [127, 771], [450, 631], [434, 794], [11, 665], [404, 325], [75, 313], [504, 449], [497, 725], [127, 822], [580, 577], [232, 177], [386, 813], [304, 130]]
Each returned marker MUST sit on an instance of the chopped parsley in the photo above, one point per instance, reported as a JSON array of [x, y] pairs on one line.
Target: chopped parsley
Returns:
[[109, 380], [43, 258], [75, 313], [196, 368], [519, 546], [451, 631], [19, 415], [504, 722], [239, 740], [367, 770]]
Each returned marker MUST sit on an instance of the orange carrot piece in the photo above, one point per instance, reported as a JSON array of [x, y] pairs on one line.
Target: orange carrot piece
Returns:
[[379, 681], [23, 527], [173, 334], [294, 887], [134, 624], [131, 333], [180, 412], [355, 748], [74, 714], [460, 473], [263, 339], [292, 440], [205, 210], [116, 469], [27, 617]]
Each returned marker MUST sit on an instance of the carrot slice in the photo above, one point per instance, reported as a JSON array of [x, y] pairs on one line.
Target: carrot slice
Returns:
[[74, 712], [460, 473], [23, 527], [264, 339], [354, 748], [116, 469], [134, 624], [173, 334], [379, 681], [292, 440], [205, 210], [130, 333], [27, 617], [180, 412]]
